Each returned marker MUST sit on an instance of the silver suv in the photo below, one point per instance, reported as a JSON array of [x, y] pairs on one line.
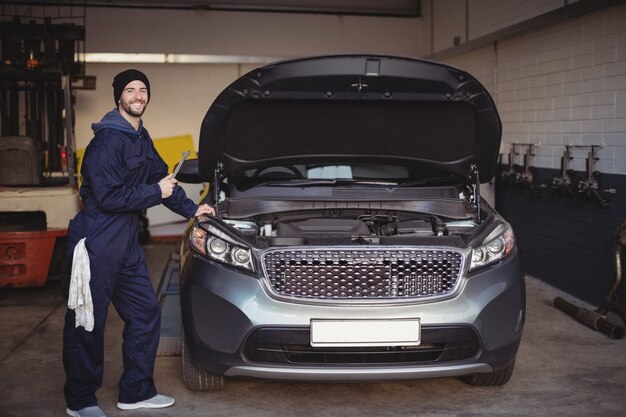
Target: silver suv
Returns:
[[350, 241]]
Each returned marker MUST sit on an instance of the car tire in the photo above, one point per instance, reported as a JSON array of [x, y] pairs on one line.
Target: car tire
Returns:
[[196, 379], [497, 377]]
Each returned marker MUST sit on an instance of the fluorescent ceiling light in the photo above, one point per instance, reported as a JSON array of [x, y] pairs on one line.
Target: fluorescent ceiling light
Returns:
[[145, 58]]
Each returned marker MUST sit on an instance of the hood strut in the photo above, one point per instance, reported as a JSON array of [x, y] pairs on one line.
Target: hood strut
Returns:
[[217, 177], [475, 179]]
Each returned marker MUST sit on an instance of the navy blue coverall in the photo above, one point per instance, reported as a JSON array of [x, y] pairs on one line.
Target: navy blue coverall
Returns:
[[121, 170]]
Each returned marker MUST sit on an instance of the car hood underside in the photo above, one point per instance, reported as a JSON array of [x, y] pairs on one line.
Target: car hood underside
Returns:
[[339, 109]]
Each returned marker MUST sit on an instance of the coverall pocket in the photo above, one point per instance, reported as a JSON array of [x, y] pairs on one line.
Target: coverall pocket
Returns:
[[134, 162]]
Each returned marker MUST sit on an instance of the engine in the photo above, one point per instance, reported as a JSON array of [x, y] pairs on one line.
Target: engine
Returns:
[[349, 227]]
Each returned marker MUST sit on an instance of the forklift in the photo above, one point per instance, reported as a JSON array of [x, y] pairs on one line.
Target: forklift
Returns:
[[39, 71]]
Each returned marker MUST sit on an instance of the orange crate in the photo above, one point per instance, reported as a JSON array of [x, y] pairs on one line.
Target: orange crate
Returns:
[[25, 257]]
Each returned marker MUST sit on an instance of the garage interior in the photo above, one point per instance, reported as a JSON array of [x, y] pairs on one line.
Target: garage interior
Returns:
[[557, 72]]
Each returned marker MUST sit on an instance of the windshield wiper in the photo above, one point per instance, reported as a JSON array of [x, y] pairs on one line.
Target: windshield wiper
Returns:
[[327, 182]]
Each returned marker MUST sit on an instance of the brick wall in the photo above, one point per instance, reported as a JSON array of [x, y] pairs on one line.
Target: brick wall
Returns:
[[561, 85], [567, 85], [567, 244]]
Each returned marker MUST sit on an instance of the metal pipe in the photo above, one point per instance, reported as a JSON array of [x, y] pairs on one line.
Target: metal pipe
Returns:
[[589, 318], [617, 258], [611, 302]]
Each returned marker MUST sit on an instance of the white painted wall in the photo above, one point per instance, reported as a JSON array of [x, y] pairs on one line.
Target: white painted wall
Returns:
[[248, 33], [450, 21], [560, 85], [472, 19], [180, 96], [183, 92], [567, 85], [488, 16]]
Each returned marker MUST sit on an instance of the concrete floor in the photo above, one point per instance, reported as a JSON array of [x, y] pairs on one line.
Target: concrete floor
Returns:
[[563, 369]]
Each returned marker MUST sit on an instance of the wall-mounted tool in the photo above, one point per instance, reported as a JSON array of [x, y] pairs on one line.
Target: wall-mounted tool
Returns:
[[508, 175], [563, 185], [524, 178], [589, 187], [596, 319]]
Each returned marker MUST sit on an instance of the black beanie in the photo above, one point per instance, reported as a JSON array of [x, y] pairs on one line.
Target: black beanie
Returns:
[[124, 78]]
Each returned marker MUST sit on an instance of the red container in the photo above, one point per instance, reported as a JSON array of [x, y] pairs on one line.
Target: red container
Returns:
[[25, 257]]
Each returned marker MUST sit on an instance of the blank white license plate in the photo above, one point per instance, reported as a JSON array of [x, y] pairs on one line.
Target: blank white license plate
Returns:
[[399, 332]]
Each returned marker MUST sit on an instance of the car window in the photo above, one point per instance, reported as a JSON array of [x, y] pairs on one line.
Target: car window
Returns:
[[413, 175], [331, 172]]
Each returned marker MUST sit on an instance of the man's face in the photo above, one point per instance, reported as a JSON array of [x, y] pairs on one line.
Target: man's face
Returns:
[[134, 98]]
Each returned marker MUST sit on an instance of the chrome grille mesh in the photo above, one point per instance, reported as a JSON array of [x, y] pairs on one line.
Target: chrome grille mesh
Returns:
[[371, 273]]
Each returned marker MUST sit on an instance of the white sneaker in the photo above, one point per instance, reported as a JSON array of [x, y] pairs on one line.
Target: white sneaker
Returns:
[[93, 411], [158, 401]]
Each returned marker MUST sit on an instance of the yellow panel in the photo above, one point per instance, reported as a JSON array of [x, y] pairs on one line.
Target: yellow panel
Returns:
[[170, 148], [79, 163]]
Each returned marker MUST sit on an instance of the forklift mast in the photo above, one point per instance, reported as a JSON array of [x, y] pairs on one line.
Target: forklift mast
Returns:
[[39, 72]]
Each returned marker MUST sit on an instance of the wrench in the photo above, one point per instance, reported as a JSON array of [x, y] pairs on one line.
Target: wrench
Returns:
[[180, 163]]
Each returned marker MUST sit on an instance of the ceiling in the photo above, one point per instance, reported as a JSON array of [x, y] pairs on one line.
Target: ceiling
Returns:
[[401, 8]]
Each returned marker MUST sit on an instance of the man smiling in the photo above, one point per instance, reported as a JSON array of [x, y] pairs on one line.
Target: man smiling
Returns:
[[122, 175]]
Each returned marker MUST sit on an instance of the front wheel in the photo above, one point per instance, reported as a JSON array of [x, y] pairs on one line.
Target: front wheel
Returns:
[[196, 379], [491, 379]]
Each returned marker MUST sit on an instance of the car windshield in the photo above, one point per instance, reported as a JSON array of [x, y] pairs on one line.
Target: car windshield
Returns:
[[387, 173]]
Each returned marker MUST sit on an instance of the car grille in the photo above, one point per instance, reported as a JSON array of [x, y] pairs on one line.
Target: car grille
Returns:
[[362, 274]]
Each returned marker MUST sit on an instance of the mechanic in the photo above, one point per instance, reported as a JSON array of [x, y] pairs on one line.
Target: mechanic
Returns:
[[122, 175]]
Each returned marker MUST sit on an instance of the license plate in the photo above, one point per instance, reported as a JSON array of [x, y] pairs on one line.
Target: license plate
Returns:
[[346, 333]]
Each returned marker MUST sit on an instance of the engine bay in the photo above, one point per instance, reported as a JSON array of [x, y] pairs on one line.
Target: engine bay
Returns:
[[306, 213], [347, 227]]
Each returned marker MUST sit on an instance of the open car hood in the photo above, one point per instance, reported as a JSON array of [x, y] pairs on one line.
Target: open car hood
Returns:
[[352, 108]]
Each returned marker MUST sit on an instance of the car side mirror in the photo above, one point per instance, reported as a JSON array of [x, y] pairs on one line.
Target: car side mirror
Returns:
[[189, 172]]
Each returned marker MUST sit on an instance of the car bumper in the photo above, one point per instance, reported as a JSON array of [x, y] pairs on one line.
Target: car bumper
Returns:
[[231, 323]]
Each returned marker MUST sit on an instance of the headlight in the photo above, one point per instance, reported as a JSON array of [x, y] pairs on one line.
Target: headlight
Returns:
[[218, 246], [496, 246]]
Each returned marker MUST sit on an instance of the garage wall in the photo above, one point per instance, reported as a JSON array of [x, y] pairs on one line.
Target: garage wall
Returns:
[[488, 16], [248, 33], [560, 85], [180, 96], [229, 43], [567, 85], [182, 93], [469, 20], [451, 22]]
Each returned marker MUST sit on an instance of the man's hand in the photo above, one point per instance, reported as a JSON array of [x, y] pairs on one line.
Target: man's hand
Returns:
[[167, 185], [205, 209]]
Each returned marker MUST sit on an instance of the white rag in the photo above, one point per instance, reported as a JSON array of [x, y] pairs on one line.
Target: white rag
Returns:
[[79, 298]]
